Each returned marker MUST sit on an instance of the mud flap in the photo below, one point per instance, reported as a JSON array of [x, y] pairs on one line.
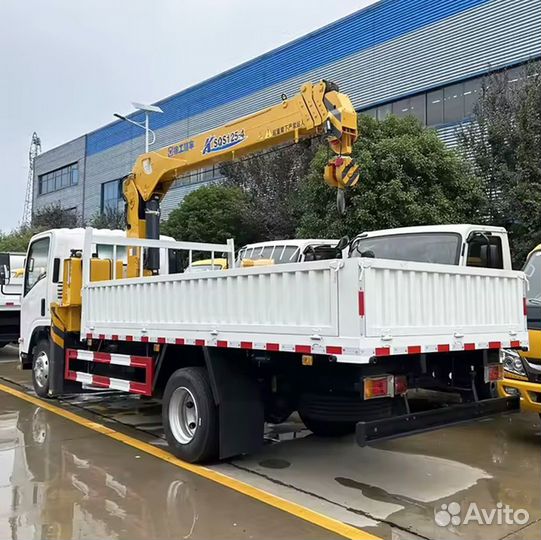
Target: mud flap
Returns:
[[59, 342], [240, 407], [420, 422]]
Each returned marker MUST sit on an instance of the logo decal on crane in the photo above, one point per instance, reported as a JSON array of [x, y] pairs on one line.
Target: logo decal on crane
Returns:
[[180, 148], [223, 142]]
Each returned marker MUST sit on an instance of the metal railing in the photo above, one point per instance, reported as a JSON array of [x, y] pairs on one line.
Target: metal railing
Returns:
[[136, 246]]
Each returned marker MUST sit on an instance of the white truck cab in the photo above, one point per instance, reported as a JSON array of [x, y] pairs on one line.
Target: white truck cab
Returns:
[[46, 253], [45, 256], [284, 251], [461, 245]]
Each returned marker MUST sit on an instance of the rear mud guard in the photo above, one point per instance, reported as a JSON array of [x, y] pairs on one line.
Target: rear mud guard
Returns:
[[420, 422], [59, 342], [240, 408]]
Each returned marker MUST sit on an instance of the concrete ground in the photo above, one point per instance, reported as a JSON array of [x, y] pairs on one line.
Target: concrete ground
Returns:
[[62, 481]]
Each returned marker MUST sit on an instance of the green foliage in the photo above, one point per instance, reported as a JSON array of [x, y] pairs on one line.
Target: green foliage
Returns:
[[213, 214], [271, 181], [53, 216], [503, 144], [109, 219], [407, 177], [17, 240]]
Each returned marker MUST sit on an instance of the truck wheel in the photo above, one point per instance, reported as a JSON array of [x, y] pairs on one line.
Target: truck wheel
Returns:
[[190, 415], [41, 368], [326, 428]]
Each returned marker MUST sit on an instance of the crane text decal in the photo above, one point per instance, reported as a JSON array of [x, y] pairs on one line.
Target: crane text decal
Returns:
[[223, 142], [180, 148]]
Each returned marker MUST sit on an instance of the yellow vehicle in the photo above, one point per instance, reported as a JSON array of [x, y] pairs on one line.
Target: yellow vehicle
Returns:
[[522, 370], [206, 265]]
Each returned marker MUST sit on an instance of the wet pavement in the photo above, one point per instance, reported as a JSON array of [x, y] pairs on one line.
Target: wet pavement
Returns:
[[99, 487]]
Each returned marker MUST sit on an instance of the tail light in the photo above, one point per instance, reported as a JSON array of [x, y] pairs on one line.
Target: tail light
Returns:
[[400, 385], [378, 387], [493, 372]]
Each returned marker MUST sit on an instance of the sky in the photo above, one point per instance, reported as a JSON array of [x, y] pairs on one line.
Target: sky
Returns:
[[66, 66]]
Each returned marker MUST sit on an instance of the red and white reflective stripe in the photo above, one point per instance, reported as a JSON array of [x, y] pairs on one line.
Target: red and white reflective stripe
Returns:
[[108, 382], [110, 358], [143, 362], [331, 349]]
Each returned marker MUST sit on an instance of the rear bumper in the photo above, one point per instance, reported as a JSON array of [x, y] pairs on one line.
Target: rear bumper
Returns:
[[420, 422], [530, 393]]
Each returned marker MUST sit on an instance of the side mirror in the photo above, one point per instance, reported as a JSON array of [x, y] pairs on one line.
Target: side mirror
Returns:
[[342, 243], [3, 275]]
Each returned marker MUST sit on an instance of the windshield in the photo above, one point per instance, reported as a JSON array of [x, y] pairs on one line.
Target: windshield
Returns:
[[441, 248], [532, 269], [279, 254]]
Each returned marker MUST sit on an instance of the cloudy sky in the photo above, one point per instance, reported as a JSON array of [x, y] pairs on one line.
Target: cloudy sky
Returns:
[[67, 65]]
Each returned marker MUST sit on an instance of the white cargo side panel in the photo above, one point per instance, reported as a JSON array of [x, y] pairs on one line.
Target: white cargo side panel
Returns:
[[413, 299], [282, 299]]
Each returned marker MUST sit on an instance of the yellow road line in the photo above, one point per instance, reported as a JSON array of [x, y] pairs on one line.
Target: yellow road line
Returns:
[[292, 508]]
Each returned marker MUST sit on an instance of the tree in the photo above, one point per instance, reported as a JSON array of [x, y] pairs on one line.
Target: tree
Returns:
[[53, 216], [17, 240], [504, 144], [110, 218], [271, 181], [213, 214], [407, 177]]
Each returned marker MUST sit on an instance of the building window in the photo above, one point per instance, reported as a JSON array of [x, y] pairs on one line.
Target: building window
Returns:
[[447, 105], [384, 111], [453, 103], [472, 92], [58, 179], [434, 108], [111, 196]]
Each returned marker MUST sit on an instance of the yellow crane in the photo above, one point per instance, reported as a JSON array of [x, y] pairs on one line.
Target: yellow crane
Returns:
[[318, 109]]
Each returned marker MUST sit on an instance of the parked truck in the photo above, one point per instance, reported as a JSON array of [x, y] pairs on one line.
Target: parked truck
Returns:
[[340, 340], [522, 369], [11, 276]]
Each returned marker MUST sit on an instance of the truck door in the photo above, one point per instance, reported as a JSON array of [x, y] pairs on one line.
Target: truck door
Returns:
[[36, 297]]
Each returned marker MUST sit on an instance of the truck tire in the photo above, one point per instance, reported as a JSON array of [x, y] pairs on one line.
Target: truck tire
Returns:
[[326, 428], [190, 416], [41, 367]]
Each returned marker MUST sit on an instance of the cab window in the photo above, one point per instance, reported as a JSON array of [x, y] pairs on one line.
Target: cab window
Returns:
[[36, 263], [485, 251], [532, 269]]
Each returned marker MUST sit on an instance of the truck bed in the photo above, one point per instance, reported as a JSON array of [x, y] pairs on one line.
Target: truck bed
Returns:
[[355, 308]]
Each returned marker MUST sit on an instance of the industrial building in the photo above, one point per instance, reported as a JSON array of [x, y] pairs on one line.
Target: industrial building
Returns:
[[420, 57]]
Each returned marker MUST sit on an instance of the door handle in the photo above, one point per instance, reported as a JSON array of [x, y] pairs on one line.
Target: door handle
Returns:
[[43, 307]]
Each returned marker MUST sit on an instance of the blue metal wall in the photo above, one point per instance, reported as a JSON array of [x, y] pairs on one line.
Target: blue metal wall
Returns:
[[376, 25]]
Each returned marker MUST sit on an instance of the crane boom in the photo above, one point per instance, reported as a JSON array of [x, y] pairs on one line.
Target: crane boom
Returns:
[[318, 109]]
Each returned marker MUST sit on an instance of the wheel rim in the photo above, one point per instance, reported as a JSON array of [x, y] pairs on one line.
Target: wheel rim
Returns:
[[41, 369], [183, 415]]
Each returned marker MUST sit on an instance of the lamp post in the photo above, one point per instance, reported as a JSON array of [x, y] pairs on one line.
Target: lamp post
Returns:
[[147, 109]]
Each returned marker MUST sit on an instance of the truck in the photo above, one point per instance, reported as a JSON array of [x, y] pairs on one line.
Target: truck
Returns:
[[481, 246], [341, 340], [11, 281], [522, 369]]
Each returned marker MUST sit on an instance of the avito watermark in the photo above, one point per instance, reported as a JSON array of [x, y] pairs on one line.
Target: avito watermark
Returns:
[[502, 514]]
